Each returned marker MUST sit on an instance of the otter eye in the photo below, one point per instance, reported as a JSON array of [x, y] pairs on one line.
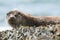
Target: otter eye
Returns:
[[16, 15]]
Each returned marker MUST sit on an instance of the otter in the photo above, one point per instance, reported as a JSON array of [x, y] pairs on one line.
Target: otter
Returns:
[[16, 18]]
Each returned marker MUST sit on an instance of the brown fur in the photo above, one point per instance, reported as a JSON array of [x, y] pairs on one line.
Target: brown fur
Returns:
[[20, 18]]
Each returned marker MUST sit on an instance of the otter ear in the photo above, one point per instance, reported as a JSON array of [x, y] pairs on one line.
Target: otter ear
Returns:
[[18, 13], [9, 12]]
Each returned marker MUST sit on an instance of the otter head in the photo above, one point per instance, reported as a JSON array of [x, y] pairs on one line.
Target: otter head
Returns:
[[14, 18]]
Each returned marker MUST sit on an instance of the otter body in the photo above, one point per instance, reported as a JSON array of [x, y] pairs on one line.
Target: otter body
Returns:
[[16, 18]]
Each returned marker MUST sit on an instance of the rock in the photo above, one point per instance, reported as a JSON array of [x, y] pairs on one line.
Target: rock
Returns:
[[31, 33]]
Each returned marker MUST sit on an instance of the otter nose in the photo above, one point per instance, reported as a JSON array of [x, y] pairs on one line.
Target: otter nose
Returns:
[[11, 17]]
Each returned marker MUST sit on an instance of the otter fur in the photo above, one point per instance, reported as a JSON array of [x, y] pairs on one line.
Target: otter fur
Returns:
[[16, 18]]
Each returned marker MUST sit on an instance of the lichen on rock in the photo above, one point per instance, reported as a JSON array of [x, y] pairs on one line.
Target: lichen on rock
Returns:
[[49, 32]]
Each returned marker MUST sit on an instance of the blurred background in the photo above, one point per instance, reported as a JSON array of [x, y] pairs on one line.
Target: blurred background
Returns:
[[33, 7]]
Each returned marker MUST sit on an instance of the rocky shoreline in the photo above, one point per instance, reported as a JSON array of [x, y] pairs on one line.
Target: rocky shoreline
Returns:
[[49, 32]]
